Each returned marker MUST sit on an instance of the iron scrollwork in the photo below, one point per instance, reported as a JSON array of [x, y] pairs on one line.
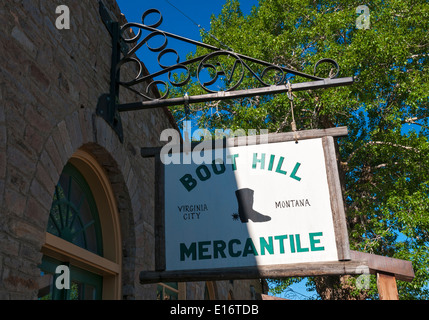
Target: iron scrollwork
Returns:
[[208, 63], [220, 73]]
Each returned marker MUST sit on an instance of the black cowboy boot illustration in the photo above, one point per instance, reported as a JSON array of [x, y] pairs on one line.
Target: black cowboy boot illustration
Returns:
[[245, 207]]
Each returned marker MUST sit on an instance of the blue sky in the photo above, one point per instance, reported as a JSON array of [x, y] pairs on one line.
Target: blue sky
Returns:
[[182, 17], [174, 19]]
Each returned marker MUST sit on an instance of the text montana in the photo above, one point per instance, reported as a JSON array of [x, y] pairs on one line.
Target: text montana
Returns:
[[292, 203]]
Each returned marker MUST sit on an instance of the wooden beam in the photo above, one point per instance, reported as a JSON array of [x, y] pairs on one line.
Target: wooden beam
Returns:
[[257, 272], [360, 263], [386, 284], [147, 152], [400, 269]]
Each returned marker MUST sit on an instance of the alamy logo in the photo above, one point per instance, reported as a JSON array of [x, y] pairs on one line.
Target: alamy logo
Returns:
[[63, 277], [363, 281], [63, 21], [203, 154], [362, 22]]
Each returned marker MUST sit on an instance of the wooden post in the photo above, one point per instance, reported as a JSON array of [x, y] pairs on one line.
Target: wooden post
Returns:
[[336, 197], [386, 284], [159, 214]]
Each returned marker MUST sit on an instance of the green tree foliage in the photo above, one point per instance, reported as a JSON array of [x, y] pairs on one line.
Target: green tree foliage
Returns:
[[385, 158]]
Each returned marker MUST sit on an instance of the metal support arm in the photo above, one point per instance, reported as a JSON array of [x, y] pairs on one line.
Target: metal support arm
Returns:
[[219, 72], [225, 95]]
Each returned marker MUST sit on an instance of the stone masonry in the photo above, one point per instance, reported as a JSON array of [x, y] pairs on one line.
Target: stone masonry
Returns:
[[50, 82], [49, 86]]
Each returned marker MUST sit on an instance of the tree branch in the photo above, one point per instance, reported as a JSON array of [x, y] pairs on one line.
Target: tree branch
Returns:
[[381, 143], [413, 121]]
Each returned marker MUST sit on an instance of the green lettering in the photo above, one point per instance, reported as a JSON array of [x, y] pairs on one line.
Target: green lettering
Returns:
[[292, 243], [249, 248], [219, 247], [294, 171], [231, 249], [222, 166], [281, 242], [199, 171], [234, 165], [313, 241], [279, 166], [264, 245], [298, 244], [270, 165], [188, 182], [256, 160], [202, 250], [191, 251]]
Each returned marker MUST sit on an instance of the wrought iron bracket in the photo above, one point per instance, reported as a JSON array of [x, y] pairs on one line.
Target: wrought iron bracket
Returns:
[[219, 83], [107, 106]]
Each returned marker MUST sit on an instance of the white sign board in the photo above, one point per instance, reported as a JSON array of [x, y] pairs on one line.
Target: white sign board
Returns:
[[255, 205]]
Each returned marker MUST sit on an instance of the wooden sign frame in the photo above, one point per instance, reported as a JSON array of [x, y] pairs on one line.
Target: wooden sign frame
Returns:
[[343, 265]]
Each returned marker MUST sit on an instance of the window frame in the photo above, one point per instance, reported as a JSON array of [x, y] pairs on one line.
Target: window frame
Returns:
[[180, 290], [74, 175], [85, 277], [109, 266]]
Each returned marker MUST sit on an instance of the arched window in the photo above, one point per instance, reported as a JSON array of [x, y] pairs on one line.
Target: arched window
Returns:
[[74, 215], [83, 235]]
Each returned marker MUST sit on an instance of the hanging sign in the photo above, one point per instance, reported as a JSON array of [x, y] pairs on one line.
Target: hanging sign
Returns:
[[253, 206]]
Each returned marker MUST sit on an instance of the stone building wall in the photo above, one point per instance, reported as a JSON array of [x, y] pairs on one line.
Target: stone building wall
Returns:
[[50, 82]]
